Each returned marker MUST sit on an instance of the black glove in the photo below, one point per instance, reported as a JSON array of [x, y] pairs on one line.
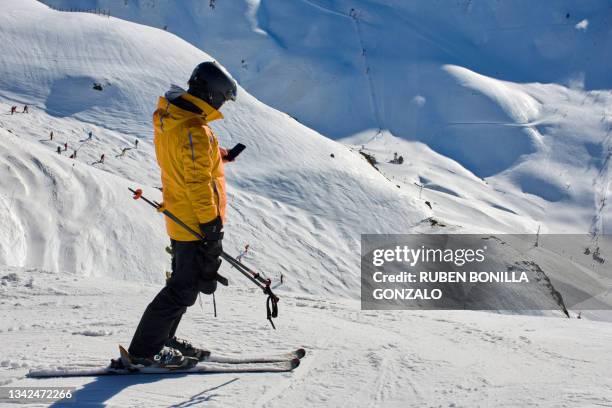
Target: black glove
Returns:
[[213, 230], [211, 249]]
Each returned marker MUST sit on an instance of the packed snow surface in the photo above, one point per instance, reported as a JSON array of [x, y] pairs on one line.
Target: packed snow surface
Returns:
[[354, 358]]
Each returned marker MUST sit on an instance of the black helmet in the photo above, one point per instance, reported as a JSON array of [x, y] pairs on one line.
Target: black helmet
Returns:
[[211, 84]]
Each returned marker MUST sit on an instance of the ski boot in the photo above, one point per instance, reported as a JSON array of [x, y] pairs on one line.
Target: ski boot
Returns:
[[167, 357], [187, 349]]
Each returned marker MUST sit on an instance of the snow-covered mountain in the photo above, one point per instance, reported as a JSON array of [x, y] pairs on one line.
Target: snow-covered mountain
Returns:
[[289, 199], [517, 93], [79, 259]]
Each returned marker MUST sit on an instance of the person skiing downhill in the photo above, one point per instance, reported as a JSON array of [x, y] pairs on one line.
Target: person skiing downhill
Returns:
[[123, 152], [193, 181]]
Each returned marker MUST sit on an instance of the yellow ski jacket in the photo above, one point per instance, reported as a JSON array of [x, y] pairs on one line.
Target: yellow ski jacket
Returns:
[[190, 161]]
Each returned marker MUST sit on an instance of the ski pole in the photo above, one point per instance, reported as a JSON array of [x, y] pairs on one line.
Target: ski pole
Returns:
[[256, 278]]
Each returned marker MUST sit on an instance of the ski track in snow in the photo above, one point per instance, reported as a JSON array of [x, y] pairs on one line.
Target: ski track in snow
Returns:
[[354, 358]]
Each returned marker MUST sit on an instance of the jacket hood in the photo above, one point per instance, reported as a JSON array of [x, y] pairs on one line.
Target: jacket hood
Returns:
[[208, 113]]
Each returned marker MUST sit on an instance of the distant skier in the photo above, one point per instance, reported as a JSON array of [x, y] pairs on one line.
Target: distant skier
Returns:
[[123, 151], [193, 182], [13, 110], [243, 253], [51, 135], [59, 150], [90, 135], [136, 143], [66, 146], [25, 108], [101, 161]]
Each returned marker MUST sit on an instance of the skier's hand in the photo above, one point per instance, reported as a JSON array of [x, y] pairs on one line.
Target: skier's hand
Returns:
[[223, 152], [230, 155], [213, 230]]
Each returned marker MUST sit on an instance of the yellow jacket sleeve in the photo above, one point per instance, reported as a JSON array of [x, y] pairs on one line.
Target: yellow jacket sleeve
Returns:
[[197, 165]]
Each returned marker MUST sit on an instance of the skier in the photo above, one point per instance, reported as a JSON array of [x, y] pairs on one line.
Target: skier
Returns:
[[136, 143], [90, 135], [123, 151], [193, 182], [59, 150], [51, 135], [66, 146], [243, 253], [25, 108], [13, 110], [102, 158]]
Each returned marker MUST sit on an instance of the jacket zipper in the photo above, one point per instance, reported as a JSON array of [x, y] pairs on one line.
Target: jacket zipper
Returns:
[[218, 199]]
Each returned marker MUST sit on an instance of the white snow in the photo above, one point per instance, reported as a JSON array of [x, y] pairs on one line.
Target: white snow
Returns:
[[355, 358], [480, 113], [288, 198], [491, 75]]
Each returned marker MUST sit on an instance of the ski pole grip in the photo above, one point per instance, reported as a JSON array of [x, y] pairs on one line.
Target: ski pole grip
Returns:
[[137, 193]]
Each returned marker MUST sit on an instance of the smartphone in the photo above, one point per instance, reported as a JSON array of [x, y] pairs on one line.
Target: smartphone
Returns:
[[234, 152]]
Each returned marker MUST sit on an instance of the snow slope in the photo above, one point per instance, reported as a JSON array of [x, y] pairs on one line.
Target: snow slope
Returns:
[[295, 66], [355, 358], [289, 199], [516, 93]]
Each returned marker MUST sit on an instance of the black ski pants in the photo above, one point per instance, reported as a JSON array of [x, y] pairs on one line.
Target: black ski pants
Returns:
[[194, 270]]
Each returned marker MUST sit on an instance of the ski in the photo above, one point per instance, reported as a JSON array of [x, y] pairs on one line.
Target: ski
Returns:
[[201, 368], [240, 359], [212, 364]]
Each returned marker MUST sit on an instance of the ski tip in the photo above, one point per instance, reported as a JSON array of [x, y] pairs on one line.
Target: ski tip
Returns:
[[295, 363], [300, 353]]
